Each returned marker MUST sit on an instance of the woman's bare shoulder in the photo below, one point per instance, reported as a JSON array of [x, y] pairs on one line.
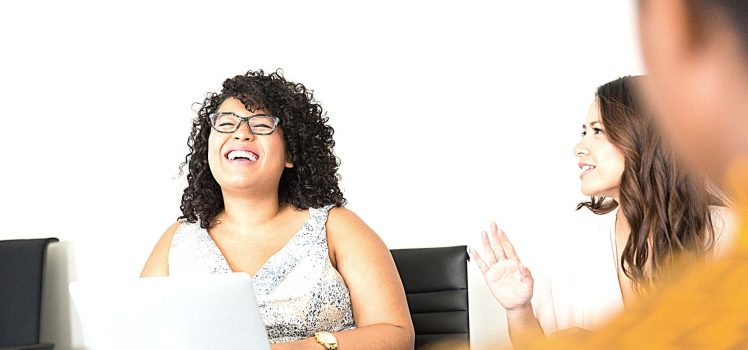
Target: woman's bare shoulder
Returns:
[[158, 262], [725, 221], [343, 224]]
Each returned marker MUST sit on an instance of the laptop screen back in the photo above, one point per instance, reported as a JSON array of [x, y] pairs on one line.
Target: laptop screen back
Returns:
[[196, 312]]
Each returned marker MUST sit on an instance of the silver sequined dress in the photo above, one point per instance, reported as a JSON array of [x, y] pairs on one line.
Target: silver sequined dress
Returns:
[[298, 289]]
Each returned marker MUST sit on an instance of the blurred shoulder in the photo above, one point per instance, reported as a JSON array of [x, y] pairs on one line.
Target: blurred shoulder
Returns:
[[723, 216], [725, 222]]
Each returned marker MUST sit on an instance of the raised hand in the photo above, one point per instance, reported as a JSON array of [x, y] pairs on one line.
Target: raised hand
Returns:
[[510, 282]]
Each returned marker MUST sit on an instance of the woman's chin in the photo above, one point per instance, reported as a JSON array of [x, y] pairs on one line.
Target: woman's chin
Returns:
[[238, 186], [592, 192], [587, 192]]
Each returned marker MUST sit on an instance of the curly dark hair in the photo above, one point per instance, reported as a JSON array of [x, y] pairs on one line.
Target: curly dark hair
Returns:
[[313, 180], [667, 207]]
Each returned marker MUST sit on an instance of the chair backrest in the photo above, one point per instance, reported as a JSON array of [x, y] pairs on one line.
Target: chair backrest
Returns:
[[21, 271], [435, 281]]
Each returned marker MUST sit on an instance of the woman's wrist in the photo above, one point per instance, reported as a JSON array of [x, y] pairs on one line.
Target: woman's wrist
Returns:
[[519, 309], [307, 343]]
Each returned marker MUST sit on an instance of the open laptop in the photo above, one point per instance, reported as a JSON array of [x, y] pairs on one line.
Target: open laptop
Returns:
[[165, 313]]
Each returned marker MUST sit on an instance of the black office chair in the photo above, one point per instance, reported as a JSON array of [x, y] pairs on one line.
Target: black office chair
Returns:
[[21, 275], [435, 281]]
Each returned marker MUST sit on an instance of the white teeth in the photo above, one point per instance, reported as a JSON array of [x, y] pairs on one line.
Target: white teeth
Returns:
[[242, 154], [587, 167]]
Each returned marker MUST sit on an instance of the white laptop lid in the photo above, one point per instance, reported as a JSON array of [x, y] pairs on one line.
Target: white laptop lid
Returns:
[[195, 312]]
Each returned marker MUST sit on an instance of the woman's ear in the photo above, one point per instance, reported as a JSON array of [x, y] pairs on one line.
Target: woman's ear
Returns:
[[289, 161]]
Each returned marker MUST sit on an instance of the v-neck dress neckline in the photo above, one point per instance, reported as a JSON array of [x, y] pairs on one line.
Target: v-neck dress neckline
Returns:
[[298, 290]]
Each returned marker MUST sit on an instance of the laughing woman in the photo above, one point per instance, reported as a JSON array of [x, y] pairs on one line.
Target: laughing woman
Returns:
[[263, 198], [660, 213]]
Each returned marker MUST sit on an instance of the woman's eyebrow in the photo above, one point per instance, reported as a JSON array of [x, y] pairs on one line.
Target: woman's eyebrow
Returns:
[[584, 126]]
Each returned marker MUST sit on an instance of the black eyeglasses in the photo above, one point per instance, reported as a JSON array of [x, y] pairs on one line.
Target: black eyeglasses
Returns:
[[229, 122]]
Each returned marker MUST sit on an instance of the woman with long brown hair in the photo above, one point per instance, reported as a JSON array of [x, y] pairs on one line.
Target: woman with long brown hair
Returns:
[[661, 212]]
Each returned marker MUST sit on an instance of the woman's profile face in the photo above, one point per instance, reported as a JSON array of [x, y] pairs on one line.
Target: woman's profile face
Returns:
[[601, 163], [244, 162]]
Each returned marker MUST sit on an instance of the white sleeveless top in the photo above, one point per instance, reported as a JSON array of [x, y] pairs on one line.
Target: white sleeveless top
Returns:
[[579, 285], [298, 290]]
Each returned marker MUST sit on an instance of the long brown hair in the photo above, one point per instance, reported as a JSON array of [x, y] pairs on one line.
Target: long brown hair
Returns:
[[666, 206]]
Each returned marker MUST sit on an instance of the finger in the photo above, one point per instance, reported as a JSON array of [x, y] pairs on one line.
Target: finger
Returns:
[[498, 247], [507, 246], [478, 261], [488, 250]]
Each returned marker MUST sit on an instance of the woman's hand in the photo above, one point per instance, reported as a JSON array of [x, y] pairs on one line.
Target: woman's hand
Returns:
[[510, 282], [308, 343]]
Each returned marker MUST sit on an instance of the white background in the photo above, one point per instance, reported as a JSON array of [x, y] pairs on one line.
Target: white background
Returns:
[[447, 115]]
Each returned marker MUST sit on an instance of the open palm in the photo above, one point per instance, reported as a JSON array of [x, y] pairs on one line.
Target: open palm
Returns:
[[510, 282]]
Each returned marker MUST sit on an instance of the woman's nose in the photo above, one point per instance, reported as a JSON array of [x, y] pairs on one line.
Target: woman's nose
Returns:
[[243, 133], [581, 148]]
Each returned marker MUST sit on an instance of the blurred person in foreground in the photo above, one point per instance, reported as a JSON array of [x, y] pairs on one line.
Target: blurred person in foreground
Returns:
[[696, 52]]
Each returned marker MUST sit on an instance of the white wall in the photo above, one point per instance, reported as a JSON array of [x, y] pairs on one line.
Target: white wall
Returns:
[[96, 111]]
